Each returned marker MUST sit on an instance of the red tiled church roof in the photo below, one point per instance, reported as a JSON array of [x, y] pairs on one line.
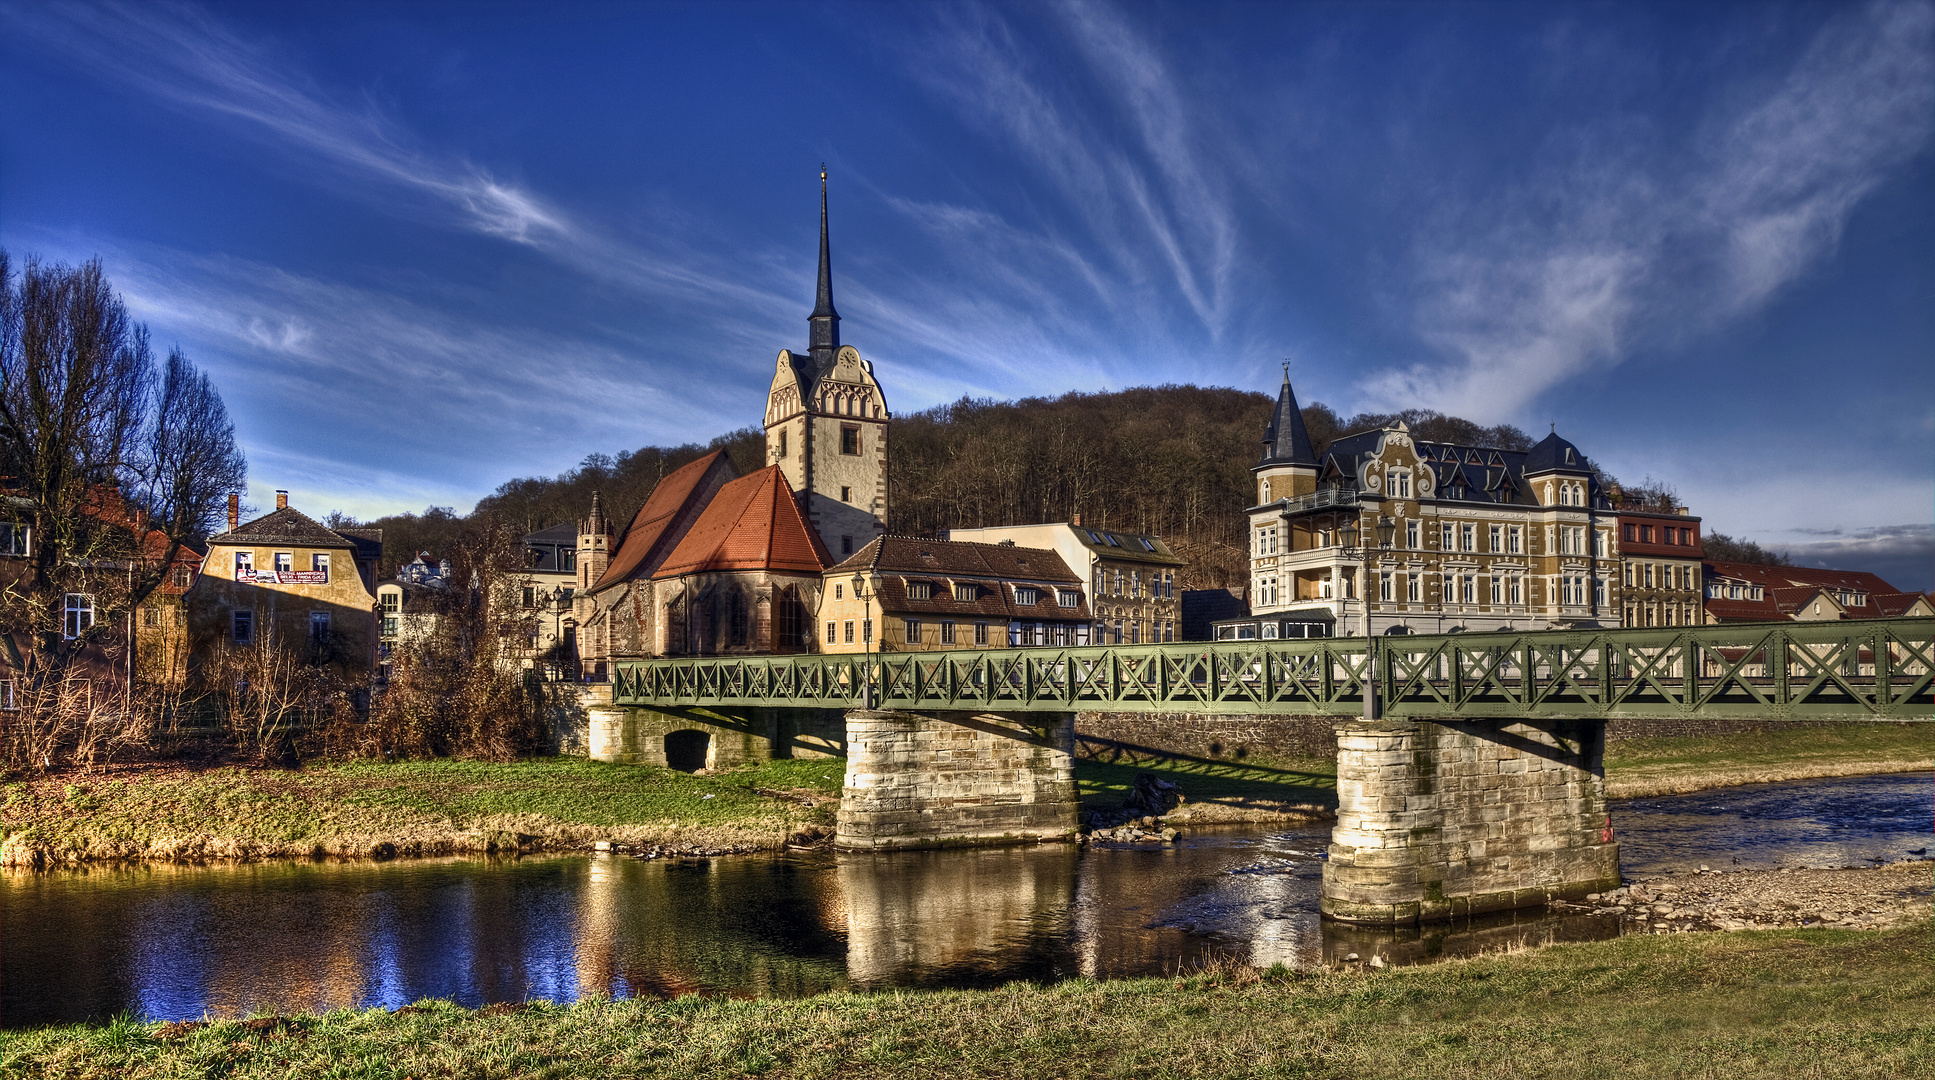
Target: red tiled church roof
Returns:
[[649, 525], [753, 523]]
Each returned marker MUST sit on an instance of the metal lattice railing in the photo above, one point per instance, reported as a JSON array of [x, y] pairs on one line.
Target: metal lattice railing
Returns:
[[1878, 669]]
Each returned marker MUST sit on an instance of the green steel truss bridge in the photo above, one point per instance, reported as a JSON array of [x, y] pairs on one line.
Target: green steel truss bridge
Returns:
[[1871, 669]]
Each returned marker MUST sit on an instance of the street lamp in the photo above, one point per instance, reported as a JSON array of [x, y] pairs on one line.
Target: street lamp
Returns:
[[866, 586]]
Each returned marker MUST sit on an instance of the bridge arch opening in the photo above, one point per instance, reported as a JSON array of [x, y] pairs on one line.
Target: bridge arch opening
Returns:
[[687, 750]]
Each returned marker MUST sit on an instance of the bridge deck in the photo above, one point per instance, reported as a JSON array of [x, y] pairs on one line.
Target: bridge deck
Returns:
[[1879, 669]]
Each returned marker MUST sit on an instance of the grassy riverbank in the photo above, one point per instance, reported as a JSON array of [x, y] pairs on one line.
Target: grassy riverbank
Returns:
[[1775, 1003], [362, 809], [1665, 766]]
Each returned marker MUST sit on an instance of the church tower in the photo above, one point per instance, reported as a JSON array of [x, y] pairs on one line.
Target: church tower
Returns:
[[826, 424]]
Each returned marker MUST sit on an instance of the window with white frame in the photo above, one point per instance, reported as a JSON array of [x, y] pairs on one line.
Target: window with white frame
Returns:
[[910, 631], [1414, 588], [1384, 586], [1400, 483], [1411, 539], [1135, 583], [244, 564], [1444, 538], [319, 563], [77, 614], [1497, 539], [1027, 597], [1466, 583], [1069, 598], [1518, 591], [1467, 537], [1498, 590], [14, 539], [1266, 492], [1600, 544], [1514, 539], [285, 562], [1324, 586], [1599, 592]]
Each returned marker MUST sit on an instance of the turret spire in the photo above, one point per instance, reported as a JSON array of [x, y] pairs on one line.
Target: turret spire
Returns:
[[1286, 442], [824, 323]]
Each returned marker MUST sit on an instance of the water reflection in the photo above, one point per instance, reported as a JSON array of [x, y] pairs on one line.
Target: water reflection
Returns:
[[181, 942]]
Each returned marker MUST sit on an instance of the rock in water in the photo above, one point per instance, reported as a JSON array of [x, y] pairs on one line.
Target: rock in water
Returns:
[[1152, 796]]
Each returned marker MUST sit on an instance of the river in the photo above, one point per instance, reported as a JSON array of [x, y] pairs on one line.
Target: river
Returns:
[[177, 942]]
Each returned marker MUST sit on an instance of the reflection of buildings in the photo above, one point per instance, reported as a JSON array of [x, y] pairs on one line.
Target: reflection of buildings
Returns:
[[948, 916]]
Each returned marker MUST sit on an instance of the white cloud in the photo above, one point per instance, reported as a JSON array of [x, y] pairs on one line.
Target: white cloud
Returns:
[[1625, 239]]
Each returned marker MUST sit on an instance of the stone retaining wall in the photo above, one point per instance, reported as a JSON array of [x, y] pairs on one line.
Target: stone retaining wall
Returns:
[[632, 735], [1229, 737]]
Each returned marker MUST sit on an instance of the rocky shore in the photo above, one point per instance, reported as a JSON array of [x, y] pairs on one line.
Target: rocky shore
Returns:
[[1878, 898]]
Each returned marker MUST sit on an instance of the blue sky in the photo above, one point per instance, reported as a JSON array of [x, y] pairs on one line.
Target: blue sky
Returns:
[[428, 247]]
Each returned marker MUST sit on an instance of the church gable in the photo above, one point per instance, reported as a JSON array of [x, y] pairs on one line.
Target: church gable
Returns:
[[752, 524], [666, 518]]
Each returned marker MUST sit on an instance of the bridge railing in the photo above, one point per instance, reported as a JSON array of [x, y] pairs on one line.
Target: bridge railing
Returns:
[[1870, 669]]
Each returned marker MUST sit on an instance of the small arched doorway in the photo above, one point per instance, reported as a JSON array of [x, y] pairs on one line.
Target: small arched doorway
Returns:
[[687, 750]]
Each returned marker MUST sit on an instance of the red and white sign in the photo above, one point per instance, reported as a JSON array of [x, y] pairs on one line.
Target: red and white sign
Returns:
[[285, 577]]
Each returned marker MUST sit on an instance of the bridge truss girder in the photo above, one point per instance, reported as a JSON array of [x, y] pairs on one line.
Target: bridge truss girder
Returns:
[[1874, 669]]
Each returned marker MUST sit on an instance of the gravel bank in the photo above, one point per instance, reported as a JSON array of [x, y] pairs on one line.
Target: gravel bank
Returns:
[[1884, 897]]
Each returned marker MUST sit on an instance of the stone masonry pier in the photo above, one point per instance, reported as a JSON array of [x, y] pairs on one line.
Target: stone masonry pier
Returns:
[[938, 780], [1460, 817]]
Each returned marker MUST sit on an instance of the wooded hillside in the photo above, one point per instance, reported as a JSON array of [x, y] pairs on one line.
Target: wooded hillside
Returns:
[[1168, 460]]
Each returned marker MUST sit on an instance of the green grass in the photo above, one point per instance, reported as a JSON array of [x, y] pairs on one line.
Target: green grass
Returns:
[[1214, 789], [417, 807], [1786, 1004]]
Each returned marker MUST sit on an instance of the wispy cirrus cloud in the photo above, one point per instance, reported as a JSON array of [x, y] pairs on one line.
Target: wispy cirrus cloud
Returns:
[[1626, 239]]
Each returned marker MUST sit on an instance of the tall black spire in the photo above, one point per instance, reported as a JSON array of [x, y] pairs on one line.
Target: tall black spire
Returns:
[[824, 323], [1286, 442]]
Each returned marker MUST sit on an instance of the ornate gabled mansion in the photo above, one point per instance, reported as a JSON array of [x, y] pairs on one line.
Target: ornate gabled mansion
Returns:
[[1386, 533]]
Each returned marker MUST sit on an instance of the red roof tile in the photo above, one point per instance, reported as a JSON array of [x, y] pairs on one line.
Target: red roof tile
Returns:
[[752, 524], [681, 488]]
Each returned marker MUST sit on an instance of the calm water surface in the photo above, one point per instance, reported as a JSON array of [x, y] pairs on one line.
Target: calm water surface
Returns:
[[180, 942]]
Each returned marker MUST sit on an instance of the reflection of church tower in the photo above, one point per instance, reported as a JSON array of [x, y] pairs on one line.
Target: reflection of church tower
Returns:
[[826, 425]]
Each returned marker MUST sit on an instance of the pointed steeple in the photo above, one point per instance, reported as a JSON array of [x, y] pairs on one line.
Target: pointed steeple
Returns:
[[1286, 442], [824, 323]]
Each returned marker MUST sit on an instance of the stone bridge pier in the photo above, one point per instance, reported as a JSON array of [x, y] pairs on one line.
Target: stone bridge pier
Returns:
[[957, 778], [1439, 819]]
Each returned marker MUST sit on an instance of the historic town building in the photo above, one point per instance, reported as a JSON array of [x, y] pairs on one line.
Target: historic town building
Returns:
[[1131, 577], [928, 595], [1659, 566], [285, 580], [717, 563], [1756, 592], [826, 425], [1387, 533]]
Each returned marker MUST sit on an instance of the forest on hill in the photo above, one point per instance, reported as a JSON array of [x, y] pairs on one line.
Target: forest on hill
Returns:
[[1171, 461]]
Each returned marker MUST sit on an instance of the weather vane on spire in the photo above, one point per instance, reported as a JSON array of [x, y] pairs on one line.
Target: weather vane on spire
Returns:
[[822, 172]]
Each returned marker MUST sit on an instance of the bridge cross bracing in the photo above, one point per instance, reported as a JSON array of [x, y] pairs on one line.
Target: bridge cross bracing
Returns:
[[1874, 669]]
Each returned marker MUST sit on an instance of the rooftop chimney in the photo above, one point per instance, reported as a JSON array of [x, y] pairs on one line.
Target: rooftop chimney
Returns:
[[282, 500], [1077, 522], [234, 510]]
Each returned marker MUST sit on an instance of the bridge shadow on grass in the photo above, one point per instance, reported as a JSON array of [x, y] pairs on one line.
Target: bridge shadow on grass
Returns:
[[1216, 789]]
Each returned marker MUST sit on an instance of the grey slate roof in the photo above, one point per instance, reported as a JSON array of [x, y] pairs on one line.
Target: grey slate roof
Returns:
[[1285, 442], [1485, 474], [289, 526]]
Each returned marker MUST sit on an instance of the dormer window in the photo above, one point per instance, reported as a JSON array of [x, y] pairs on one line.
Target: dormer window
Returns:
[[920, 590], [966, 594], [1026, 597], [1069, 598]]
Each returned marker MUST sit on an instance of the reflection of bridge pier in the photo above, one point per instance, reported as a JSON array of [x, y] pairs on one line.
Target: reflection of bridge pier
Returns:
[[910, 914]]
